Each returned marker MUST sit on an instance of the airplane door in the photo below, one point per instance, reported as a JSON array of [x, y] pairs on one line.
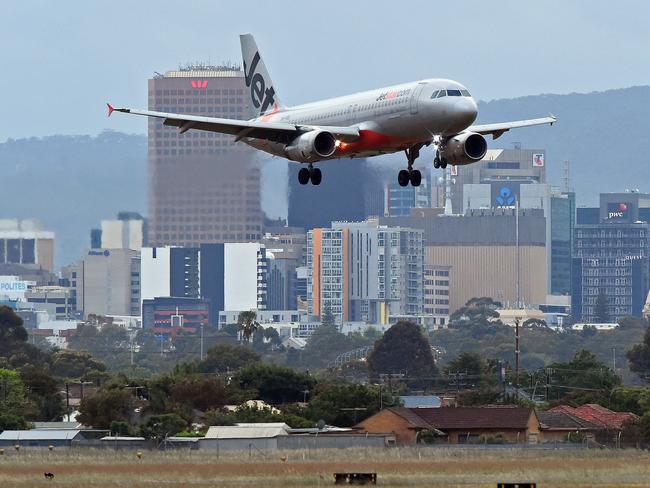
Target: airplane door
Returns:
[[415, 97]]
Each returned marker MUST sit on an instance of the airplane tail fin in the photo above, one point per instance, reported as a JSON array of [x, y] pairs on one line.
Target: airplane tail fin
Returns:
[[261, 91]]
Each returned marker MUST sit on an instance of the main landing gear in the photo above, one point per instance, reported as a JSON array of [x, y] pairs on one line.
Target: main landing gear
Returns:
[[410, 175], [311, 173]]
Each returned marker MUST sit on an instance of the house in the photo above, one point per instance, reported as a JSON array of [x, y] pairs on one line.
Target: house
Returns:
[[610, 424], [599, 415], [258, 437], [52, 437], [461, 425], [560, 426]]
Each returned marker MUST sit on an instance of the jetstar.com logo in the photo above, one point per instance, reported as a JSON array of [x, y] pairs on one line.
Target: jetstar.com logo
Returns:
[[261, 96], [393, 94], [199, 83]]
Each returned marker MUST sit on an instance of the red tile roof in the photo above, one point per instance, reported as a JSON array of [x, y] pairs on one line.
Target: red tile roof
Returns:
[[599, 415]]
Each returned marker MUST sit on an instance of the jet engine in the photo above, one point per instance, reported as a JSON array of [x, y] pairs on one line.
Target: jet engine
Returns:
[[464, 148], [311, 146]]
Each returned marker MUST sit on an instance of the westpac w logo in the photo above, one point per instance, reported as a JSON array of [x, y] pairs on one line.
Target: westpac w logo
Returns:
[[261, 96]]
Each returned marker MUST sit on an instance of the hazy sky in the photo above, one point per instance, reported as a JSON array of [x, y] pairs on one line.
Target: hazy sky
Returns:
[[61, 61]]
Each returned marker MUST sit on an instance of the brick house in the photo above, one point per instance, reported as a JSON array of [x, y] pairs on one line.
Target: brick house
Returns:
[[461, 425]]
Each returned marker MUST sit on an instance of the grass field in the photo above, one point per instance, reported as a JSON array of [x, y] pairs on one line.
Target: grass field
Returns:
[[395, 467]]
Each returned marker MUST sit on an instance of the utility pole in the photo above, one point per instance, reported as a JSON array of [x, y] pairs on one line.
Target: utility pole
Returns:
[[517, 252], [201, 342], [131, 337], [67, 399], [517, 319], [614, 357]]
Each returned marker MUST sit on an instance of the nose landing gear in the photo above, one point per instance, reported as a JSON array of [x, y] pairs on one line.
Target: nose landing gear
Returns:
[[311, 173], [439, 162]]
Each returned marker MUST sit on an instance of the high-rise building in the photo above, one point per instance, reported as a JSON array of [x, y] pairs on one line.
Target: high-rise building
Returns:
[[128, 231], [436, 293], [611, 258], [25, 246], [363, 271], [203, 186], [106, 282], [351, 191], [501, 168]]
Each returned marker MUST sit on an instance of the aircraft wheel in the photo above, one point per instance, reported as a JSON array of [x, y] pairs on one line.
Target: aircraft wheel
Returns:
[[316, 176], [303, 176], [436, 162], [443, 163], [403, 178], [416, 177]]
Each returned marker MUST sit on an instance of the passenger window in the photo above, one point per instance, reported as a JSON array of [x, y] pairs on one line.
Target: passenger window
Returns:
[[453, 93], [435, 94], [442, 93]]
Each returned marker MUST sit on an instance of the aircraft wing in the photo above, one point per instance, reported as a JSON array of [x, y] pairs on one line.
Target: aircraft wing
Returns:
[[497, 130], [271, 131]]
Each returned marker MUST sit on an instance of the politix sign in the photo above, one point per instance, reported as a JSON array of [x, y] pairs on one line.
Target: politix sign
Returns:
[[13, 288]]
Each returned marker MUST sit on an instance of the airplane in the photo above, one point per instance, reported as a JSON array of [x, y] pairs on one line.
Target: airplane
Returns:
[[404, 117]]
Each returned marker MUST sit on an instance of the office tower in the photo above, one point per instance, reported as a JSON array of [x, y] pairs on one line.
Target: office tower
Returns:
[[611, 258], [352, 190], [203, 186]]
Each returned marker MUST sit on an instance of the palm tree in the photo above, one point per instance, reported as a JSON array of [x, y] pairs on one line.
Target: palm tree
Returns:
[[248, 324]]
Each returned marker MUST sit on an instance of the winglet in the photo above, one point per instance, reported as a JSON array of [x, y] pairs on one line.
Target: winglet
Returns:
[[110, 109]]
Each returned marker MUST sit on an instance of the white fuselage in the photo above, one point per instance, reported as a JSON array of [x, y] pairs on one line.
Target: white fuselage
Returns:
[[389, 119]]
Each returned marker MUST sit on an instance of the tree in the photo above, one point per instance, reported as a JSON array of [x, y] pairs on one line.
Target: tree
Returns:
[[336, 404], [43, 392], [476, 312], [584, 379], [328, 317], [200, 393], [225, 358], [639, 355], [248, 324], [106, 406], [161, 426], [469, 362], [11, 327], [274, 384], [403, 349], [601, 309], [13, 400], [74, 364]]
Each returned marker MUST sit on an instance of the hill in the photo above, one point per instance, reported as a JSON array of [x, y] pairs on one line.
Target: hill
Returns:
[[70, 183], [602, 134]]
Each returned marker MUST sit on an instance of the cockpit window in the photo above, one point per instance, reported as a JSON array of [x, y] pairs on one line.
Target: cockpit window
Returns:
[[465, 93], [442, 93], [453, 93], [435, 94]]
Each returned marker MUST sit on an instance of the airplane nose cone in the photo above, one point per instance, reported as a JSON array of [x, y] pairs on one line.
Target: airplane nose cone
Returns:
[[466, 110]]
